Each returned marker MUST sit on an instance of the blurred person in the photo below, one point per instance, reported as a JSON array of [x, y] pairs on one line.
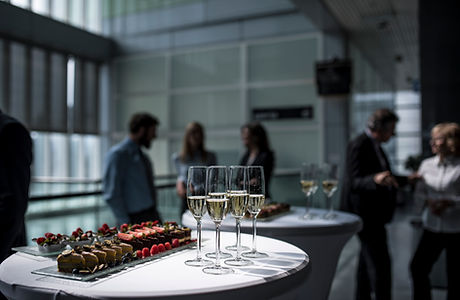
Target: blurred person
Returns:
[[193, 153], [15, 161], [439, 190], [369, 190], [258, 152], [128, 182]]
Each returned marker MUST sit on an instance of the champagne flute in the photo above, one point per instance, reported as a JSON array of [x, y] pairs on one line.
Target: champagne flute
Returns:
[[196, 200], [238, 201], [216, 203], [330, 182], [256, 200], [309, 183]]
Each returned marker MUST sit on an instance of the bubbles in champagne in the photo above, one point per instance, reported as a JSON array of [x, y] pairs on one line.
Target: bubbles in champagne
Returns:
[[255, 203], [238, 203], [217, 208], [197, 205]]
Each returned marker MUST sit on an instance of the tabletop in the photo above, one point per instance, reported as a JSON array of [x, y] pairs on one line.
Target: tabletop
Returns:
[[168, 277]]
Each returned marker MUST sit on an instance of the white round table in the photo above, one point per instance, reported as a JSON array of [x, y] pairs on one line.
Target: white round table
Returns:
[[323, 240], [284, 270]]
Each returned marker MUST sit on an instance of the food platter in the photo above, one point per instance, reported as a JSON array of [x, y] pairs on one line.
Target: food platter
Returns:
[[273, 217], [53, 271]]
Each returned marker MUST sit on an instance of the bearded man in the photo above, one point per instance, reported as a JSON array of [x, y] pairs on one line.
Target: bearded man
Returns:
[[128, 181]]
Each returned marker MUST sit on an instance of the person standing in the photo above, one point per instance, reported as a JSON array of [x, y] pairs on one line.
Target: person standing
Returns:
[[439, 190], [15, 161], [369, 190], [193, 153], [258, 152], [128, 181]]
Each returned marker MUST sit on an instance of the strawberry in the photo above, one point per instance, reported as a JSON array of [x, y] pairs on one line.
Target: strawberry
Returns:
[[40, 240], [136, 226], [155, 222], [139, 253], [143, 224], [161, 248], [145, 252], [48, 235], [84, 236], [175, 243], [125, 236], [75, 234], [168, 246], [154, 250], [124, 227], [79, 230], [59, 236], [113, 229], [105, 226]]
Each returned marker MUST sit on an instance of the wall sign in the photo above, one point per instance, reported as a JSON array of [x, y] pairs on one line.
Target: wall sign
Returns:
[[264, 114]]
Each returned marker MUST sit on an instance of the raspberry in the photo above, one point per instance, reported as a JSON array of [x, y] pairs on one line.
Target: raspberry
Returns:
[[145, 252], [105, 226], [40, 240], [48, 235], [139, 253], [168, 246], [161, 248], [154, 250], [175, 243]]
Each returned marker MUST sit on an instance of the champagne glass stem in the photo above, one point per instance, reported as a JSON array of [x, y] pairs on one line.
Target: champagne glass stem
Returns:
[[198, 230], [238, 238], [254, 233], [217, 245], [307, 209]]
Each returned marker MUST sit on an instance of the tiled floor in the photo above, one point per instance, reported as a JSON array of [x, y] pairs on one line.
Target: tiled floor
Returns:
[[403, 239]]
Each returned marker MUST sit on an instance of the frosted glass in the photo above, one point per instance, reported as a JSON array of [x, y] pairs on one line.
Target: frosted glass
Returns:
[[293, 148], [206, 68], [282, 60], [216, 109], [141, 75], [154, 104]]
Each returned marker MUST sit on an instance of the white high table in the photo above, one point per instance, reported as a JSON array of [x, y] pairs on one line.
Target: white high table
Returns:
[[277, 276], [323, 240]]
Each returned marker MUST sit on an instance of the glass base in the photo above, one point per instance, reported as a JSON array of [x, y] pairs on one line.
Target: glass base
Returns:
[[217, 270], [233, 248], [254, 254], [238, 262], [198, 262], [308, 216], [223, 255], [329, 216]]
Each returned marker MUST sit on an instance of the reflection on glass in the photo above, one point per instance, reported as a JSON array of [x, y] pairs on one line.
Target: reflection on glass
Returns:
[[309, 183]]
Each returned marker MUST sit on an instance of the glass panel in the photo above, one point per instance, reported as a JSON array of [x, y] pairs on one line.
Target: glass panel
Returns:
[[206, 68], [157, 153], [39, 166], [76, 168], [93, 10], [293, 148], [155, 104], [58, 103], [92, 156], [59, 157], [20, 3], [18, 80], [76, 12], [213, 109], [40, 6], [140, 75], [39, 106], [282, 60], [59, 10]]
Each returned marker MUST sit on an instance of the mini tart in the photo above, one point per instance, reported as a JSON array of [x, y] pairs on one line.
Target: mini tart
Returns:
[[91, 259], [69, 260]]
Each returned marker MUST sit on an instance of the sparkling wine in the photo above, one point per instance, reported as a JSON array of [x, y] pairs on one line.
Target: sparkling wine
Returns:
[[255, 203], [217, 208], [238, 203], [309, 186], [329, 187], [197, 205]]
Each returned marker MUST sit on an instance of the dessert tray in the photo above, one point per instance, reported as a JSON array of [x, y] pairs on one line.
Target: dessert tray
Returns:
[[53, 271], [272, 211], [274, 216]]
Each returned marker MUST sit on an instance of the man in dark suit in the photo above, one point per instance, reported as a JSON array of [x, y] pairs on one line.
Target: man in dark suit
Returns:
[[15, 160], [369, 190]]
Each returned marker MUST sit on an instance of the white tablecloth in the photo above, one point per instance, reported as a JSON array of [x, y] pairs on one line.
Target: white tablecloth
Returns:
[[168, 277], [323, 240]]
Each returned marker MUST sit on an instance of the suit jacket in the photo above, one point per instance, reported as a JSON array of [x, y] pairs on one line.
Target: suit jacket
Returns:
[[265, 159], [375, 204], [15, 160]]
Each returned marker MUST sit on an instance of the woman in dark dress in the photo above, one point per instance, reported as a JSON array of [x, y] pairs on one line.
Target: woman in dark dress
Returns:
[[258, 152]]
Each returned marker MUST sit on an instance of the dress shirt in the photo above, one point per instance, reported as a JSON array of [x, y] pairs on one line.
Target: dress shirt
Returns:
[[195, 160], [126, 185], [441, 180]]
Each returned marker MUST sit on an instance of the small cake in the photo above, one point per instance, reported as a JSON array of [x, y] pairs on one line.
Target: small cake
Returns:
[[188, 233], [126, 248], [69, 260], [111, 255], [101, 255], [91, 259]]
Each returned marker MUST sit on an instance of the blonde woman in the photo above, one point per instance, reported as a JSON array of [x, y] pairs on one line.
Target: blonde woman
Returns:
[[193, 153], [439, 189]]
